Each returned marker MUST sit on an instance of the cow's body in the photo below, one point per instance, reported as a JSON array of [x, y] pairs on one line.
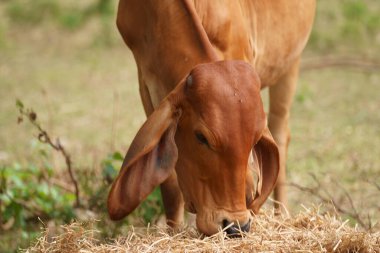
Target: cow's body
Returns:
[[168, 40]]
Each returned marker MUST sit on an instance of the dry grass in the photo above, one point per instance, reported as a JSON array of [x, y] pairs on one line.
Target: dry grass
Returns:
[[309, 231]]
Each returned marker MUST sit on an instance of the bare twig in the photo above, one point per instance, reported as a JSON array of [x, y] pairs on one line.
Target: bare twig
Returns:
[[61, 184], [2, 189], [376, 185], [354, 213], [327, 198], [367, 65], [44, 137]]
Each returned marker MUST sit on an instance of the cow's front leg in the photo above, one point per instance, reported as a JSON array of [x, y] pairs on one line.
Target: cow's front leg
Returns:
[[173, 201], [281, 97], [145, 96], [170, 191]]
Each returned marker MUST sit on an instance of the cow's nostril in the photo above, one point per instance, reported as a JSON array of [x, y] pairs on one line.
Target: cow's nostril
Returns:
[[246, 227], [234, 230]]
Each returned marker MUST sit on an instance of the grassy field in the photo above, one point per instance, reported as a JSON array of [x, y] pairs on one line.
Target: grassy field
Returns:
[[83, 85], [84, 93]]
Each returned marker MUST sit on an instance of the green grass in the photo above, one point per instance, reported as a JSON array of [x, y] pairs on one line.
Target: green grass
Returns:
[[86, 94], [336, 135], [346, 27]]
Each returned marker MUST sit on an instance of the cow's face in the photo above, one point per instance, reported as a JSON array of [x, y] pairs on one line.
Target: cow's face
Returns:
[[205, 129], [222, 118]]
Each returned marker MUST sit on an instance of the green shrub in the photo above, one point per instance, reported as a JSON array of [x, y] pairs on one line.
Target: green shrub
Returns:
[[71, 20], [32, 12], [345, 26], [73, 16], [27, 193], [355, 10]]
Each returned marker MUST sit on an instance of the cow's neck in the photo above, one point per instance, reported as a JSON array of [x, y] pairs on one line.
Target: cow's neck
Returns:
[[200, 32], [167, 40]]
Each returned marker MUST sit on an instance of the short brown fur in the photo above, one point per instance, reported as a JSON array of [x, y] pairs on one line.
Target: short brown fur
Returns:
[[201, 66]]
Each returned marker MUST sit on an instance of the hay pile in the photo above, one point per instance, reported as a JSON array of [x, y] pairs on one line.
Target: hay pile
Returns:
[[309, 231]]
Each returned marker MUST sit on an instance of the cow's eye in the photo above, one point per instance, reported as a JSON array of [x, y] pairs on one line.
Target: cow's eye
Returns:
[[201, 138]]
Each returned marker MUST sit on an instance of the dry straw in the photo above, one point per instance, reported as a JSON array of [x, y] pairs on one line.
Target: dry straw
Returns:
[[309, 231]]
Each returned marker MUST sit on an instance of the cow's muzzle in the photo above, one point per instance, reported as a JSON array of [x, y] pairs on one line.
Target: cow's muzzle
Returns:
[[235, 230]]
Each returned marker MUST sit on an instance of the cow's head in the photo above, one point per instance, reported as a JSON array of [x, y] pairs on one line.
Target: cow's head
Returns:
[[205, 129]]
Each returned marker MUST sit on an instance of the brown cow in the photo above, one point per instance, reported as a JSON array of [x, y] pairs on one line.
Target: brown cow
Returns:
[[201, 65]]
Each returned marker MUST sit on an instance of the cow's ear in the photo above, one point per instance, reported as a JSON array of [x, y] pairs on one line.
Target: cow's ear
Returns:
[[150, 160], [267, 164]]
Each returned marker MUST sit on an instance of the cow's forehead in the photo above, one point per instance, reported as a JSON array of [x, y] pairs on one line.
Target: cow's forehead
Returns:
[[223, 79], [226, 88], [226, 97]]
